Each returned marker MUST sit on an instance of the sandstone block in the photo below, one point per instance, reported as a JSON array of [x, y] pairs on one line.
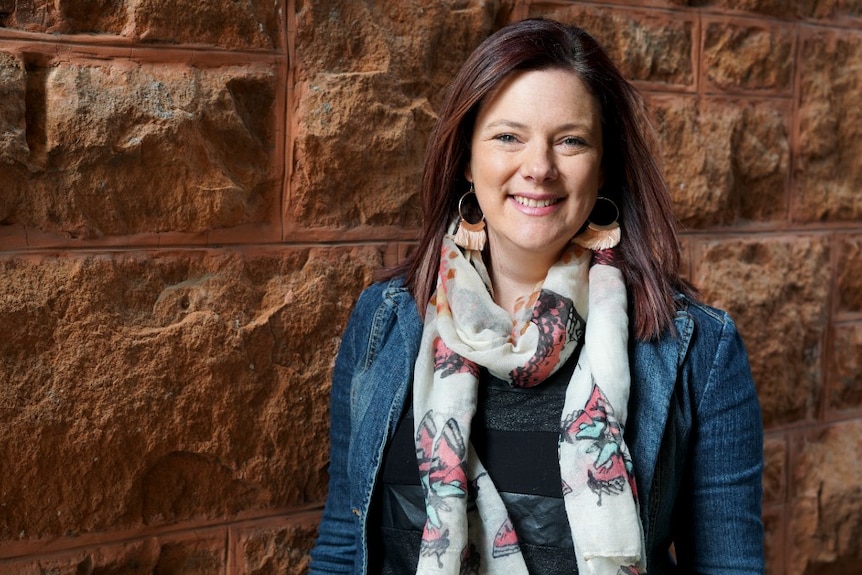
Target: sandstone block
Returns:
[[277, 548], [828, 171], [192, 555], [821, 9], [827, 501], [175, 385], [13, 134], [839, 10], [850, 275], [199, 554], [739, 57], [249, 24], [13, 89], [225, 23], [724, 161], [422, 44], [845, 368], [126, 148], [773, 540], [777, 292], [645, 45], [775, 470], [135, 557], [368, 106], [349, 118]]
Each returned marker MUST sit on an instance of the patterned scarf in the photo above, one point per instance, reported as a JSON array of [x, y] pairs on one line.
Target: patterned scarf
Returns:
[[467, 528]]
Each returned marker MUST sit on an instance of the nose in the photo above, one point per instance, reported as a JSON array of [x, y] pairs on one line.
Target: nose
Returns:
[[539, 162]]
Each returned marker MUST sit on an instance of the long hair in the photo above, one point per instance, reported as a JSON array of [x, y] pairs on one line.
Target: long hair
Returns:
[[648, 254]]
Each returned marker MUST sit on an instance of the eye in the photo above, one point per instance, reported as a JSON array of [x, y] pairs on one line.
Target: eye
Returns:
[[573, 141], [506, 138]]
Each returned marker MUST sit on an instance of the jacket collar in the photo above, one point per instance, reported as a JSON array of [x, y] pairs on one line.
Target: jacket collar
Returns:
[[409, 321]]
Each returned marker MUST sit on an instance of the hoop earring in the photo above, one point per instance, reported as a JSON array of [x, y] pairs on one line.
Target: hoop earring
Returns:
[[603, 228], [470, 236]]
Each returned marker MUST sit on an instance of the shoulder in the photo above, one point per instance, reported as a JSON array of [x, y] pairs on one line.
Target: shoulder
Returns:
[[382, 309], [389, 296], [703, 339], [705, 316], [695, 323], [715, 359], [709, 328]]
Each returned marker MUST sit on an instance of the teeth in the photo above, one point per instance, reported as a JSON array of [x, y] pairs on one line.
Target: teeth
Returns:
[[534, 203]]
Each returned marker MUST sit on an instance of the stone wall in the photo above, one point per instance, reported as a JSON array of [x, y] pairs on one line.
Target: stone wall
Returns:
[[192, 194]]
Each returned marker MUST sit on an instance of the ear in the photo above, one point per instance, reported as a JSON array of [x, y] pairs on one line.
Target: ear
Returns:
[[468, 173]]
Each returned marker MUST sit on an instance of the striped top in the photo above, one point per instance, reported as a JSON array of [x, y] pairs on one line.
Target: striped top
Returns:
[[515, 433]]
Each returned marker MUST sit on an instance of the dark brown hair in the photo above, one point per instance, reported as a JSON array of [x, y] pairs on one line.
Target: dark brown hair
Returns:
[[648, 254]]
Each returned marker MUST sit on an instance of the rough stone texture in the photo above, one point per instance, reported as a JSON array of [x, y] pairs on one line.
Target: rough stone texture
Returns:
[[279, 549], [179, 384], [224, 23], [134, 558], [646, 46], [376, 91], [822, 9], [748, 57], [190, 555], [102, 129], [777, 293], [826, 524], [845, 369], [829, 166], [849, 276], [13, 87], [163, 406], [250, 24], [774, 540], [725, 160], [775, 472]]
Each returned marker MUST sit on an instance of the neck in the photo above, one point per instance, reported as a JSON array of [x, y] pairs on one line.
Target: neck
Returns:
[[513, 278]]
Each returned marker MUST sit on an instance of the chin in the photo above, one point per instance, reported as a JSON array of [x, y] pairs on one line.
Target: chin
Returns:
[[545, 249]]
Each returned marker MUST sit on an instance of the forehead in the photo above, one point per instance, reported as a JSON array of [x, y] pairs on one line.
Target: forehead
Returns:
[[539, 94]]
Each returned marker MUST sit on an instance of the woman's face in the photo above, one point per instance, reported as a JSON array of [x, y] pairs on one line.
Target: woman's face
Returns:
[[535, 163]]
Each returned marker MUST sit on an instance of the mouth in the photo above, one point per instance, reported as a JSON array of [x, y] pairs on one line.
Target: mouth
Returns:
[[534, 203]]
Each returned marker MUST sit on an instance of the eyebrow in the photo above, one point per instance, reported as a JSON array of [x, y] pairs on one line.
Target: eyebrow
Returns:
[[519, 126]]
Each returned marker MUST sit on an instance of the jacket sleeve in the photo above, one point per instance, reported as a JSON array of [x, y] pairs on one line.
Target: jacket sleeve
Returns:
[[718, 516], [334, 550]]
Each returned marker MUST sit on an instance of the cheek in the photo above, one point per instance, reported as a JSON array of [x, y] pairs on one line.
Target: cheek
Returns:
[[485, 201], [584, 208], [492, 168]]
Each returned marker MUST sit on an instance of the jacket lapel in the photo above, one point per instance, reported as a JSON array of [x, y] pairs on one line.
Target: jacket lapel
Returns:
[[655, 374]]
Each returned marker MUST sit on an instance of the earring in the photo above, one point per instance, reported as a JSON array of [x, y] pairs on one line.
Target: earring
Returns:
[[603, 227], [470, 236]]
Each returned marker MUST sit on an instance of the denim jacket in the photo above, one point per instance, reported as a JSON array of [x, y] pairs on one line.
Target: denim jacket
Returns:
[[694, 432]]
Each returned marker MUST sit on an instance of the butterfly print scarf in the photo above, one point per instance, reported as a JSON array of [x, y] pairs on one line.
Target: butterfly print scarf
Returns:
[[467, 529]]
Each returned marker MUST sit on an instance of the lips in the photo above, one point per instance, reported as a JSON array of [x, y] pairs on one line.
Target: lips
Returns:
[[534, 203]]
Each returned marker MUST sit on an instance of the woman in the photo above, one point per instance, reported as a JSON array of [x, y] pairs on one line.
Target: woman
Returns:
[[537, 390]]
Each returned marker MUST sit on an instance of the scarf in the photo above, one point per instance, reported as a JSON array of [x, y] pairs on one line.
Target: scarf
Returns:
[[467, 529]]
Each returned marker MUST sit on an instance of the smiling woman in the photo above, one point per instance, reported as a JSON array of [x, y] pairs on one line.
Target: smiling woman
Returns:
[[554, 399], [536, 170]]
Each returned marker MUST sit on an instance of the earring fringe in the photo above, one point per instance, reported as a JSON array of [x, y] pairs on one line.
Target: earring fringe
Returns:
[[604, 233], [596, 239], [471, 236]]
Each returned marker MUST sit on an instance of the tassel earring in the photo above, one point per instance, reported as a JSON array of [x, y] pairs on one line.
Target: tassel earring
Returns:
[[603, 228], [470, 236]]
